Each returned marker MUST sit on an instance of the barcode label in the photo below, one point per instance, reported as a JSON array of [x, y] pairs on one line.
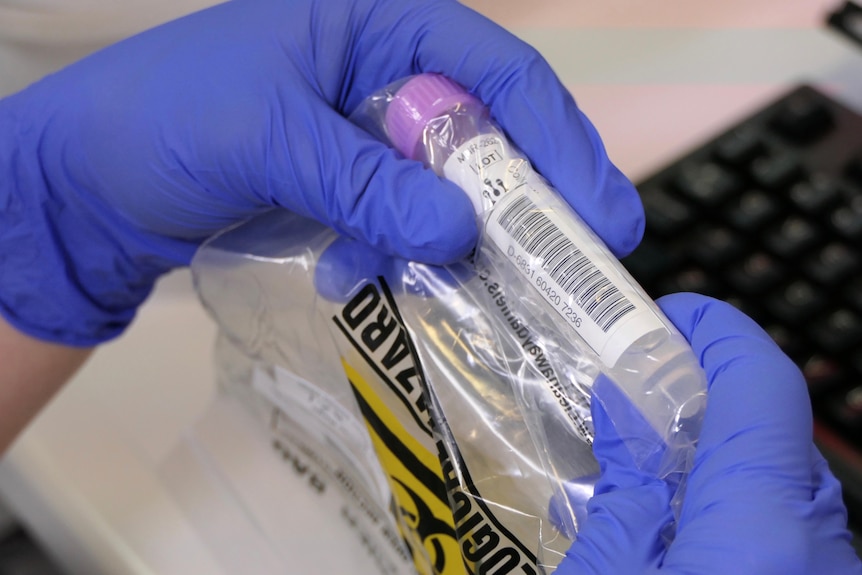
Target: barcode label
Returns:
[[573, 271], [528, 222]]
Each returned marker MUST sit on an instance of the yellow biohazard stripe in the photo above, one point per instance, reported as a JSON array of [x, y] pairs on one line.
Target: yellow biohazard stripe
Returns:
[[416, 479]]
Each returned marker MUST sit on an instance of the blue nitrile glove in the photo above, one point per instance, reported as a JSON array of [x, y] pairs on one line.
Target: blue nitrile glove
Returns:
[[114, 169], [760, 499]]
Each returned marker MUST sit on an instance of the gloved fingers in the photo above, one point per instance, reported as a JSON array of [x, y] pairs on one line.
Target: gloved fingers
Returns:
[[627, 514], [623, 528], [751, 537], [364, 190], [758, 417], [826, 489], [752, 469], [830, 516], [524, 94]]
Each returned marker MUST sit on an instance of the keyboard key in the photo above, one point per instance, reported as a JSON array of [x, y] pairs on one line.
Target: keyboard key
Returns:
[[651, 260], [844, 409], [690, 279], [834, 263], [796, 302], [792, 237], [847, 219], [789, 341], [707, 183], [822, 374], [666, 215], [853, 169], [777, 172], [713, 245], [802, 119], [756, 274], [740, 147], [853, 293], [816, 195], [838, 331], [752, 210]]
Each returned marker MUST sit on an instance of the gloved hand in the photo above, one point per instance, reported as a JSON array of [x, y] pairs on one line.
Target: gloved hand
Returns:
[[114, 169], [760, 499]]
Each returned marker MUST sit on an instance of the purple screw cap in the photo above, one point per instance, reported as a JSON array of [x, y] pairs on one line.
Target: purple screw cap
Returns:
[[418, 101]]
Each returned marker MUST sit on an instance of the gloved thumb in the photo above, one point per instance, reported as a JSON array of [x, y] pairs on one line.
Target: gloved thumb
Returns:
[[628, 512]]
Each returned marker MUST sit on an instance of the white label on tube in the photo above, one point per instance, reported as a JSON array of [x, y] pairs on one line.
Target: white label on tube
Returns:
[[538, 234], [485, 169]]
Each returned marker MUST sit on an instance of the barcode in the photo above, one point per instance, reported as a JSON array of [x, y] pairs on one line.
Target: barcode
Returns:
[[591, 291]]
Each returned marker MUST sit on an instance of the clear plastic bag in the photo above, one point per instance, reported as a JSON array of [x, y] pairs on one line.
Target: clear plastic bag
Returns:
[[457, 448], [469, 384], [584, 308]]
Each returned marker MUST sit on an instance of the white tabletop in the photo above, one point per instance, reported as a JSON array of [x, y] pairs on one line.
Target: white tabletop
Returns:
[[90, 475]]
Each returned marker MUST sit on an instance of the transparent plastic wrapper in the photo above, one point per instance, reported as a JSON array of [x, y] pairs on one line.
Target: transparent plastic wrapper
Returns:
[[584, 308], [452, 404], [397, 383]]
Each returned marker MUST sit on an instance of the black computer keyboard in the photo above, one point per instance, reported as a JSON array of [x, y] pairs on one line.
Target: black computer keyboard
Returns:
[[768, 216]]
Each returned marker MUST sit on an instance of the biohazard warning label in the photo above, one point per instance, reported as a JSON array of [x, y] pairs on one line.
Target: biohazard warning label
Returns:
[[445, 523], [416, 482]]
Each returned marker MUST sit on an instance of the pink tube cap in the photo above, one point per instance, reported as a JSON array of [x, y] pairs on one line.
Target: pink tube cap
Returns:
[[417, 102]]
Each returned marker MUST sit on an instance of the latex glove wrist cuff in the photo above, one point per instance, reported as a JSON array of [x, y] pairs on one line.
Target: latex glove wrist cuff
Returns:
[[68, 273]]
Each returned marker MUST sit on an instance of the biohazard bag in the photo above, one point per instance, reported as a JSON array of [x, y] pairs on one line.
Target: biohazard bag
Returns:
[[394, 382], [452, 405]]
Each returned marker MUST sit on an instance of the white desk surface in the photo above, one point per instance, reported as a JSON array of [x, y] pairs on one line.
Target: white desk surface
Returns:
[[654, 82]]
